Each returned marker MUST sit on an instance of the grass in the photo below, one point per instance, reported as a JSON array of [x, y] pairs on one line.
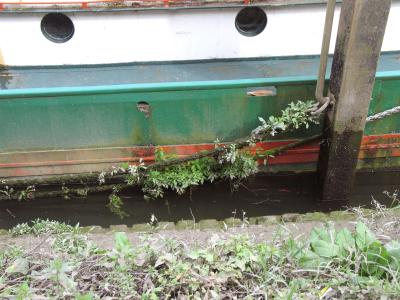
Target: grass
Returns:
[[328, 264]]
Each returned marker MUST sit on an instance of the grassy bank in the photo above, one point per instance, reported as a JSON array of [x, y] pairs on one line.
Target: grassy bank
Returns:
[[358, 259]]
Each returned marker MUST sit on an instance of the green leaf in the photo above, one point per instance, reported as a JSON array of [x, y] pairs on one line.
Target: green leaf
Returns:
[[85, 297], [122, 243], [23, 292], [375, 260], [193, 254], [124, 165], [241, 264], [310, 260], [325, 249], [364, 237], [345, 241], [262, 120], [66, 281], [20, 265], [393, 249], [320, 234], [323, 243]]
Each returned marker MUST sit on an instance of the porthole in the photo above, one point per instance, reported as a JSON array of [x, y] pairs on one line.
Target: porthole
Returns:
[[251, 21], [57, 27]]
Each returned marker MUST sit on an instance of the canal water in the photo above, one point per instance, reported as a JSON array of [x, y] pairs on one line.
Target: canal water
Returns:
[[259, 196]]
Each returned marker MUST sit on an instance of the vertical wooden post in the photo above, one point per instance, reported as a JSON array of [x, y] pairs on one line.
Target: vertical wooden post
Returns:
[[361, 29]]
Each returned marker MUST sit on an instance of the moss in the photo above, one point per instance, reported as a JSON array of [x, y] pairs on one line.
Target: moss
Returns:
[[253, 220], [315, 216], [395, 211], [341, 216], [185, 224], [209, 224], [231, 222], [166, 226], [290, 217], [268, 220], [121, 227], [367, 212], [93, 229], [142, 228]]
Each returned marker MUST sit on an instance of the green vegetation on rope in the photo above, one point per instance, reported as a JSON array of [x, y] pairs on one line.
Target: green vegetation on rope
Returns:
[[230, 162]]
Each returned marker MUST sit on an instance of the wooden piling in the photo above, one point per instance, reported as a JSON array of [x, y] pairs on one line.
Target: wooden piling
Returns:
[[360, 35]]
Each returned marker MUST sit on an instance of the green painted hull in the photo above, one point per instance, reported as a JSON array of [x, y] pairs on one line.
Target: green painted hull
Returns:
[[56, 117]]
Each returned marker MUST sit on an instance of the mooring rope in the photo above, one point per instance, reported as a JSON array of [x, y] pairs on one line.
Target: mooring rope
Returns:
[[384, 114]]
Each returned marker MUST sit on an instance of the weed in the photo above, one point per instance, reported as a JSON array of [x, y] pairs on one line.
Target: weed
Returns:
[[296, 115], [40, 226], [328, 264], [21, 229], [27, 194], [73, 243], [59, 273], [394, 196], [115, 205]]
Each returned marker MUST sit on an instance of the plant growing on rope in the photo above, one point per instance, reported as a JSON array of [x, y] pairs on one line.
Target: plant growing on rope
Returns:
[[179, 178], [226, 162], [296, 115]]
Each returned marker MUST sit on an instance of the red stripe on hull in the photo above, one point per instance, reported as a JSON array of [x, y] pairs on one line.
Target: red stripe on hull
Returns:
[[18, 164]]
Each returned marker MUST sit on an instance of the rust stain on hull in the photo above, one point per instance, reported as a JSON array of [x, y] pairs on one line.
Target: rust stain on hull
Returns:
[[17, 164]]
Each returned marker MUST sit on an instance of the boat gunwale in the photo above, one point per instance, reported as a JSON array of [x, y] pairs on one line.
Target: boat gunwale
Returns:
[[83, 6], [153, 87], [169, 86]]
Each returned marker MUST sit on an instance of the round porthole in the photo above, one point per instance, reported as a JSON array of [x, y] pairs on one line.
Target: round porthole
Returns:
[[251, 21], [57, 27]]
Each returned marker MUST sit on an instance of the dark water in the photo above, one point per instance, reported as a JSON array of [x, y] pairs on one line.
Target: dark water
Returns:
[[262, 195]]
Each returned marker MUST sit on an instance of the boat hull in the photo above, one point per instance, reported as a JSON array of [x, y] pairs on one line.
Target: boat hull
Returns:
[[90, 119]]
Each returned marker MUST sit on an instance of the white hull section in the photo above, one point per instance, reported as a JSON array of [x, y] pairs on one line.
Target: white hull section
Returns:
[[168, 35]]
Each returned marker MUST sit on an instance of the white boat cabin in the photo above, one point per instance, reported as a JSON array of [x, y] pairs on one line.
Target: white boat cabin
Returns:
[[76, 32]]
